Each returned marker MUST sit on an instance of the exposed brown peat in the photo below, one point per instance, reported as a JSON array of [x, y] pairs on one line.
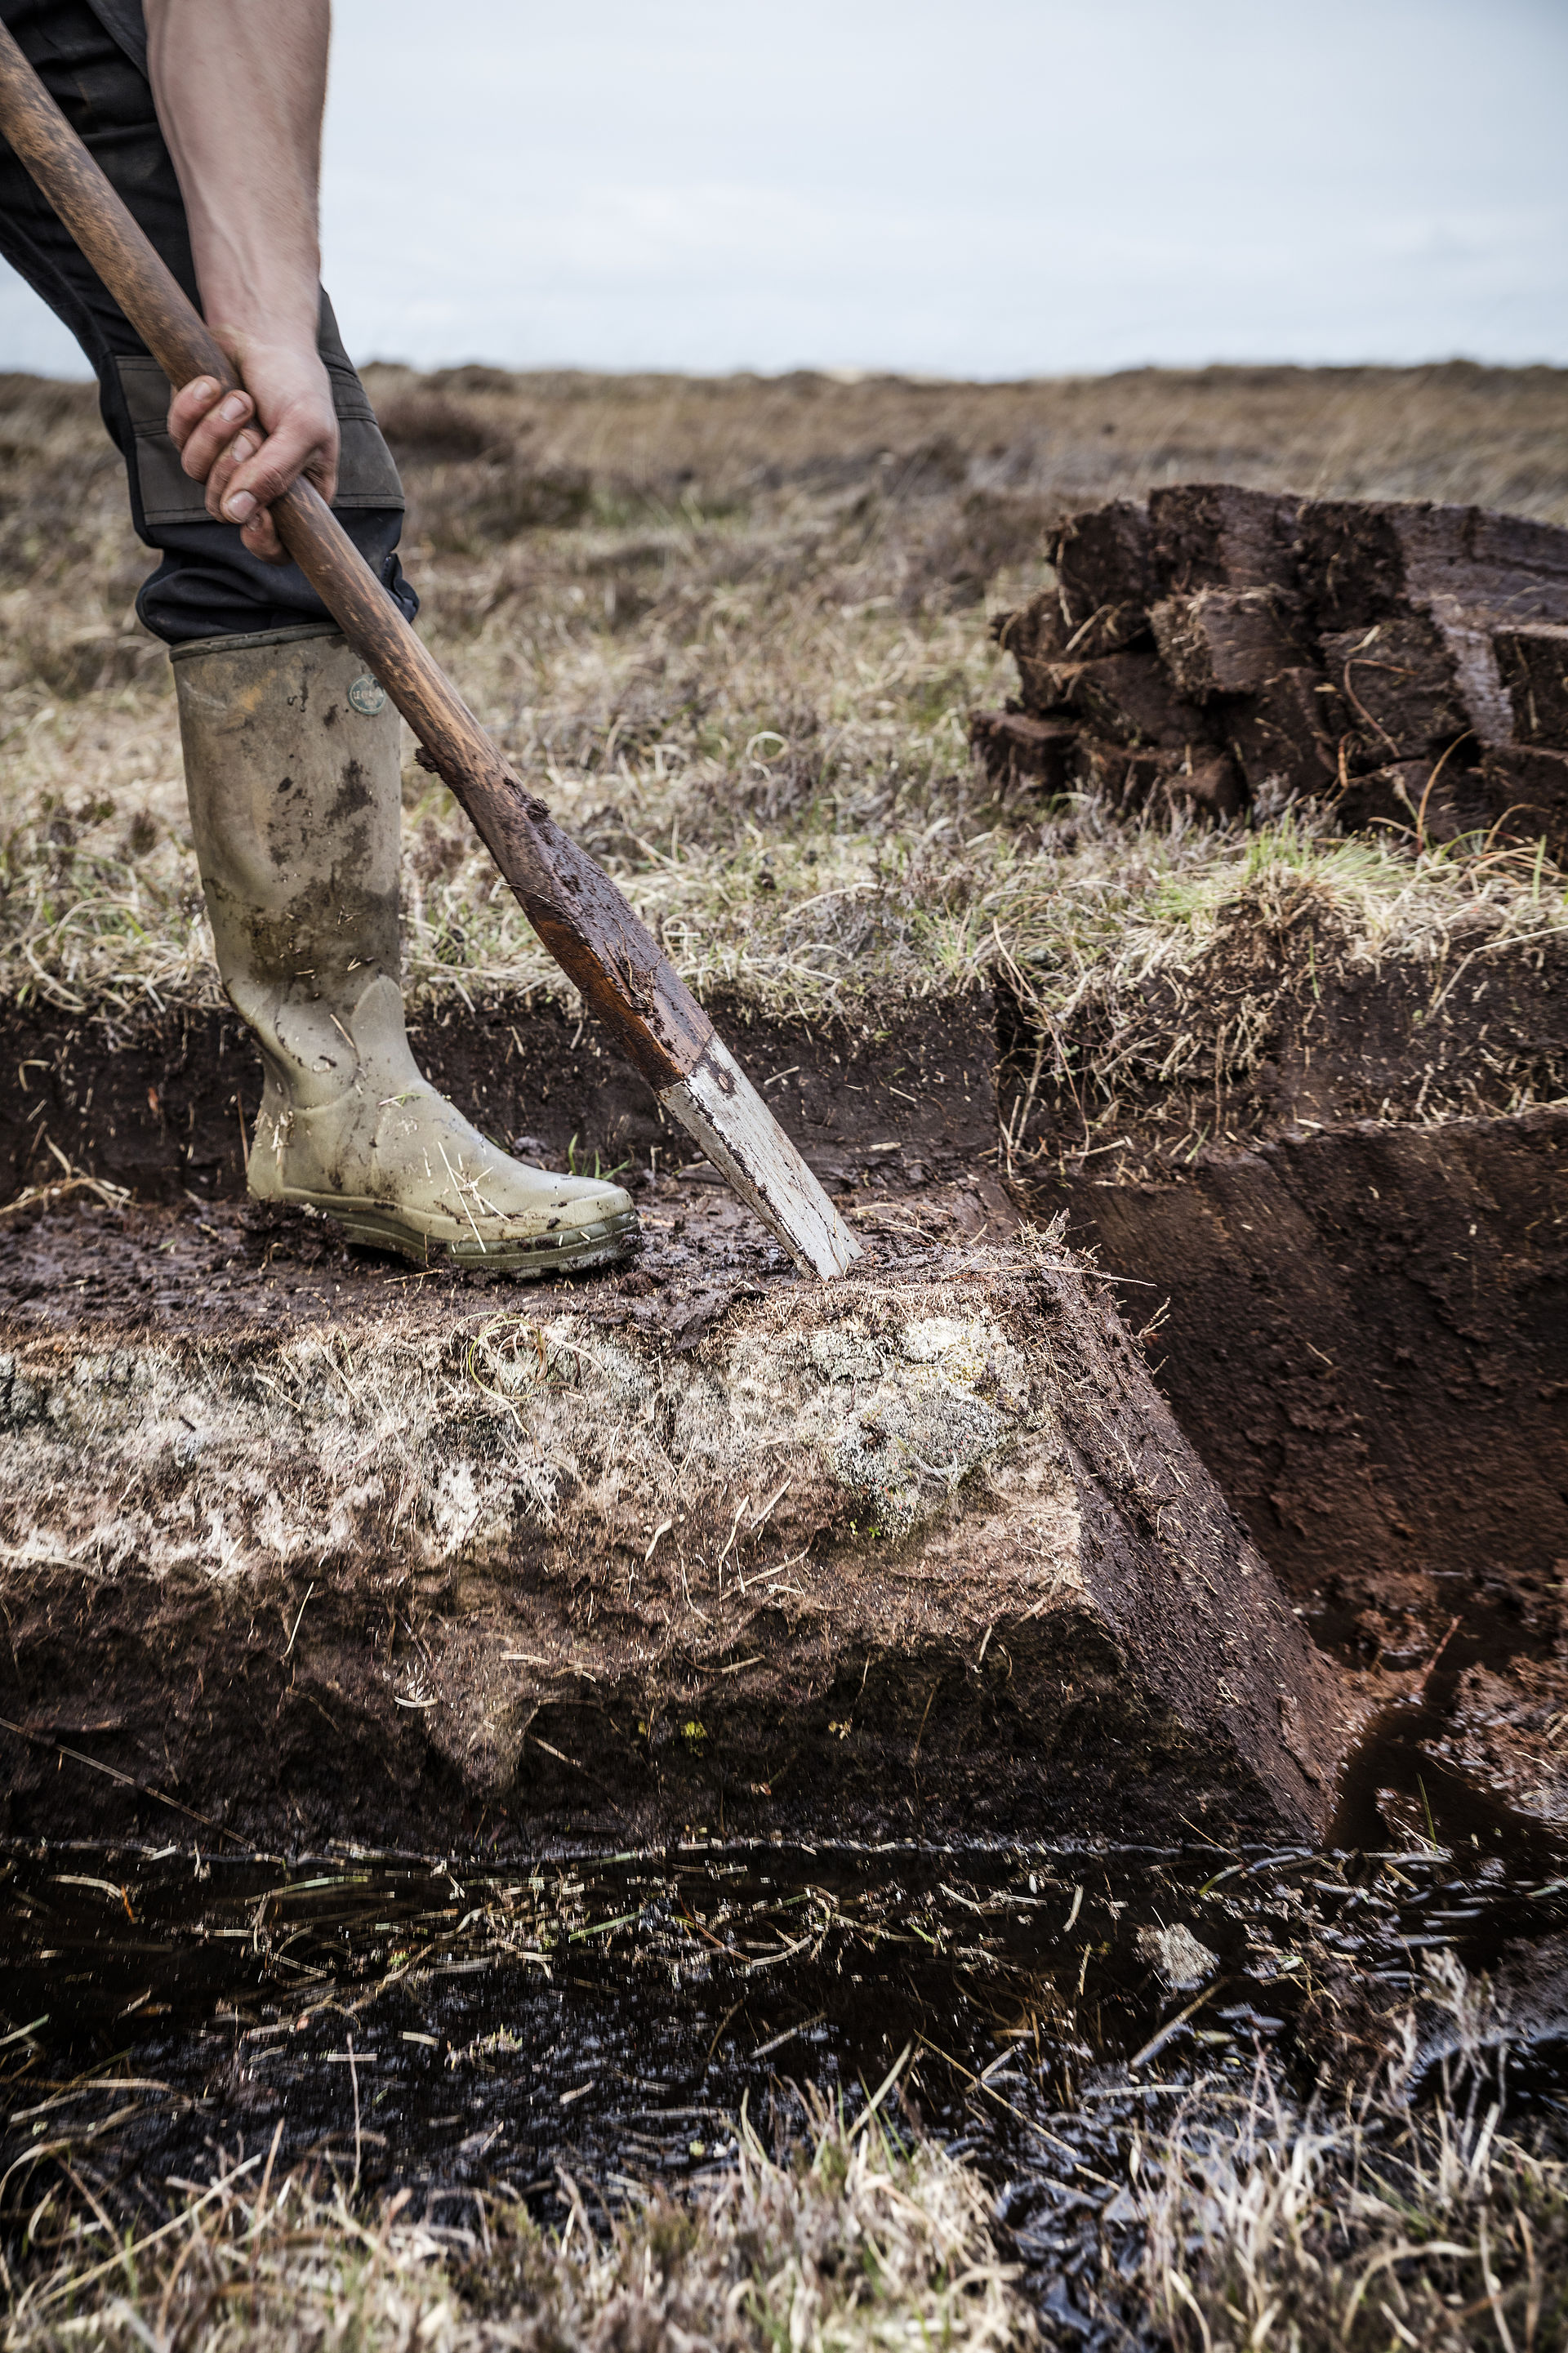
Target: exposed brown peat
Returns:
[[920, 1551], [1335, 1304]]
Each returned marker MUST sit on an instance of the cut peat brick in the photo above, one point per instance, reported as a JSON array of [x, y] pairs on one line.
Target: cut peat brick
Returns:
[[1034, 630], [1125, 780], [1104, 572], [1463, 570], [1436, 800], [1285, 737], [1046, 685], [1527, 791], [1397, 678], [1362, 562], [1129, 781], [1221, 641], [1129, 698], [1468, 635], [1217, 535], [1533, 668], [1108, 631], [1211, 787], [1301, 647], [1013, 748], [1036, 636], [1394, 796]]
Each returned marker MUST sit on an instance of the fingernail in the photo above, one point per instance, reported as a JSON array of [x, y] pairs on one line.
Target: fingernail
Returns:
[[204, 388], [241, 507], [244, 447], [233, 408]]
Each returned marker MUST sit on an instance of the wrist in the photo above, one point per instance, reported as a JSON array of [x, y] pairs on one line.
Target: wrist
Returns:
[[254, 318], [260, 278], [275, 358]]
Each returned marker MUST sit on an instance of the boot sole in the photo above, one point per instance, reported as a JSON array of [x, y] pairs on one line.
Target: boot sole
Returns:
[[580, 1247]]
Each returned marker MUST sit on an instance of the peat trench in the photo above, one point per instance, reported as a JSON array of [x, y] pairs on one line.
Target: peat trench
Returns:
[[703, 1547], [800, 1681]]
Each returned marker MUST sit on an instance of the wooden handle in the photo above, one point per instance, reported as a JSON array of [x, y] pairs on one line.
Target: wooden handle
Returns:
[[581, 918]]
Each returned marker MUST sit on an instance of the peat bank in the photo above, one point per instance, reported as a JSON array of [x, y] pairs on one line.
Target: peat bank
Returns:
[[1104, 1655]]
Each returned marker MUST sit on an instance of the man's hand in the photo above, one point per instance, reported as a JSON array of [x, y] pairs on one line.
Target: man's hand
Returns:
[[248, 447], [240, 91]]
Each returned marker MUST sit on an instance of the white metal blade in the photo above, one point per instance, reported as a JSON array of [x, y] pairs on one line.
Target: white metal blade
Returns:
[[718, 1105]]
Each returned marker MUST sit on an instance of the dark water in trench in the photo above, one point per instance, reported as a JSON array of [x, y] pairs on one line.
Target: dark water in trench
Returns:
[[440, 2026]]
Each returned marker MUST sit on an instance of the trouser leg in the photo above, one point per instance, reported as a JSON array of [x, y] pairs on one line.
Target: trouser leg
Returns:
[[208, 585]]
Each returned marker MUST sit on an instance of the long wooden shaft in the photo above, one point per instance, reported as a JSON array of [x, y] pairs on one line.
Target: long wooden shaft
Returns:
[[584, 921]]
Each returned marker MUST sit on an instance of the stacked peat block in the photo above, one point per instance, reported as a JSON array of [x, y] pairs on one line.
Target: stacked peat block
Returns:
[[1224, 649]]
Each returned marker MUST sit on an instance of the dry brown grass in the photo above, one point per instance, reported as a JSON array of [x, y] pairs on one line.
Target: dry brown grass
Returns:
[[854, 2243], [733, 629], [1493, 435], [1389, 2223]]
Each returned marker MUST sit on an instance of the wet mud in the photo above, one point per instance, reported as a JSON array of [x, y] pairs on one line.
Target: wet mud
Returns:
[[438, 2028]]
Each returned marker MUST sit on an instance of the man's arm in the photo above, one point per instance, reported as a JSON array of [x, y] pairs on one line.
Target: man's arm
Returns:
[[239, 89]]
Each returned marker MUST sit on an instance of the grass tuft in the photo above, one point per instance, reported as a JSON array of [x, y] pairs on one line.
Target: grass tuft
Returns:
[[1395, 2221], [851, 2242]]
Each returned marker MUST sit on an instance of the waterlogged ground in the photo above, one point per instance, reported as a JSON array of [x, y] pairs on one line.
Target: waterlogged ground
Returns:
[[440, 2027]]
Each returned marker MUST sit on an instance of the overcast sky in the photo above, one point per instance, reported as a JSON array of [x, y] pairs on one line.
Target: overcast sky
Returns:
[[1003, 187]]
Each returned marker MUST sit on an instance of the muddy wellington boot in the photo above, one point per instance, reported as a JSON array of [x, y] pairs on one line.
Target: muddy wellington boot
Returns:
[[292, 766]]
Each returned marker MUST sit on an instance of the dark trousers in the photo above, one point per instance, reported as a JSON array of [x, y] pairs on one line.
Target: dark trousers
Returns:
[[92, 62]]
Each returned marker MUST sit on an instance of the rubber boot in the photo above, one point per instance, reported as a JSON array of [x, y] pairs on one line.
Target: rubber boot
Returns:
[[291, 766]]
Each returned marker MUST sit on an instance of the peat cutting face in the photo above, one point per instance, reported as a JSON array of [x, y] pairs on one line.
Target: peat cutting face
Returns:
[[699, 1544], [704, 1543]]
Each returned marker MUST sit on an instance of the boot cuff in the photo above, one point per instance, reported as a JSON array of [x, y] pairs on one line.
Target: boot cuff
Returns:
[[195, 645]]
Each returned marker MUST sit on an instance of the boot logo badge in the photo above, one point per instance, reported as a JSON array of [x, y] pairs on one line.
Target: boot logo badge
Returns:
[[368, 694]]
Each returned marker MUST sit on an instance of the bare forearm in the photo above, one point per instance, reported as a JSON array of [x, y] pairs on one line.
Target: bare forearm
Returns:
[[240, 86]]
